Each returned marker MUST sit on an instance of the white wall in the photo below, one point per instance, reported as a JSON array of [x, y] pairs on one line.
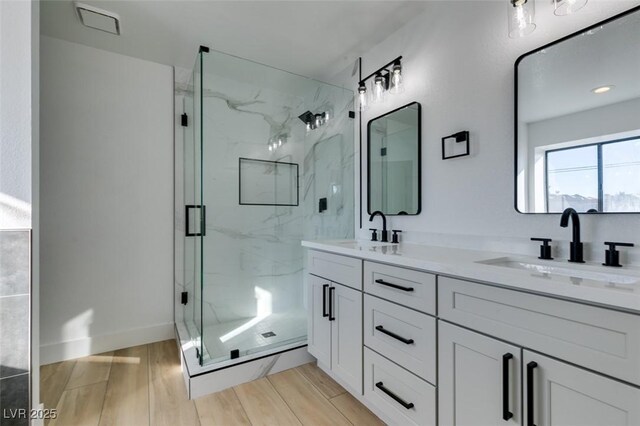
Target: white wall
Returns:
[[19, 125], [604, 121], [106, 200], [459, 64], [15, 114]]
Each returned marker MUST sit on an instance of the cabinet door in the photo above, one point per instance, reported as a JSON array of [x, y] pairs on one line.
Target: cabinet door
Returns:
[[556, 393], [346, 335], [318, 325], [479, 379]]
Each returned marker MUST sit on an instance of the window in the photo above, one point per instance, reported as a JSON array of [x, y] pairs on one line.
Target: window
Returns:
[[603, 177]]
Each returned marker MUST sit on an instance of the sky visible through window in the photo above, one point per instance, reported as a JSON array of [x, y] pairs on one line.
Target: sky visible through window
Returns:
[[572, 177]]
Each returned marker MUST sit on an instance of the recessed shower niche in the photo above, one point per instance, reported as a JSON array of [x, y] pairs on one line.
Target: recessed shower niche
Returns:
[[257, 174]]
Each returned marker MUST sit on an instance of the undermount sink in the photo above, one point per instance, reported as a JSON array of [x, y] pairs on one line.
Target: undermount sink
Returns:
[[557, 269]]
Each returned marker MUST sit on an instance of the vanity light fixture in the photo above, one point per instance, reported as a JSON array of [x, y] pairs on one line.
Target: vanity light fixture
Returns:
[[396, 85], [379, 88], [602, 89], [362, 96], [522, 16], [276, 142], [387, 78], [567, 7], [313, 121]]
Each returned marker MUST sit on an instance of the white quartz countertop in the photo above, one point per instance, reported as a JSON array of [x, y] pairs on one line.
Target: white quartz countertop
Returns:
[[617, 288]]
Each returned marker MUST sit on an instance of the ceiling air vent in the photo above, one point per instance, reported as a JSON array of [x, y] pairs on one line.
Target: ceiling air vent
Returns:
[[99, 19]]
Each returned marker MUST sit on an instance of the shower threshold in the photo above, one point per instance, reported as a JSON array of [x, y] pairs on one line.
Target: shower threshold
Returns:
[[202, 380]]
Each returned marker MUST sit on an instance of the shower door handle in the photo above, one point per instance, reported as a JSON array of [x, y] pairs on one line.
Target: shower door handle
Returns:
[[203, 220], [324, 300], [332, 292]]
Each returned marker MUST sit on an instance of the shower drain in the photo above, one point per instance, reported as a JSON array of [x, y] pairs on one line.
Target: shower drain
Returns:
[[268, 334]]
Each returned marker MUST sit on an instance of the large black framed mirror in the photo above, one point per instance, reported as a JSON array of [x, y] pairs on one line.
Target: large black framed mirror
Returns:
[[393, 162], [577, 121]]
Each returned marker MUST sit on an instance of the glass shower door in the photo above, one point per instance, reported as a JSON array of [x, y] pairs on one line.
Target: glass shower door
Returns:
[[194, 210], [261, 177]]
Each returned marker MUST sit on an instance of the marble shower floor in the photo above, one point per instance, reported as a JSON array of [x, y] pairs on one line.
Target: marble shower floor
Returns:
[[247, 334]]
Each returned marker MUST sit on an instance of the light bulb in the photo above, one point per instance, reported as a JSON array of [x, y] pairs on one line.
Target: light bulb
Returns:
[[308, 126], [280, 142], [521, 17], [362, 96], [567, 7], [396, 85], [378, 88], [326, 116], [270, 148], [318, 120]]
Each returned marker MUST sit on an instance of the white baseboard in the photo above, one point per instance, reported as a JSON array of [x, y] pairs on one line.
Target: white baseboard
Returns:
[[55, 352]]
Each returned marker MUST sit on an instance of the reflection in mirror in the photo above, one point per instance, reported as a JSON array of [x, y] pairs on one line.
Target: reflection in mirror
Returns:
[[578, 122], [394, 162]]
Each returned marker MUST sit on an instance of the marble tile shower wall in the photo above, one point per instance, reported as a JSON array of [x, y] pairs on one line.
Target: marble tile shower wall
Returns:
[[250, 249], [14, 324]]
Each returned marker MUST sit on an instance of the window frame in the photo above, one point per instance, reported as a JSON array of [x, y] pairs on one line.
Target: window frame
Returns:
[[599, 163]]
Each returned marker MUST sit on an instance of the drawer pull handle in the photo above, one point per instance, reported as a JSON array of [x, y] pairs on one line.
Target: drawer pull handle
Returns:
[[396, 398], [394, 335], [331, 300], [530, 401], [324, 300], [506, 414], [399, 287]]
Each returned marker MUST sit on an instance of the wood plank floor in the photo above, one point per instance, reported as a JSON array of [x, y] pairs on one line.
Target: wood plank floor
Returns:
[[143, 385]]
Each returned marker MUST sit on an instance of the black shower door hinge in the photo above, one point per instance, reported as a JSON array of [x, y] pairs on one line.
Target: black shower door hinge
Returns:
[[184, 120], [184, 297]]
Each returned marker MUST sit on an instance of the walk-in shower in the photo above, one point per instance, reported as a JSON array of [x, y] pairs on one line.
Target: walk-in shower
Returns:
[[252, 180]]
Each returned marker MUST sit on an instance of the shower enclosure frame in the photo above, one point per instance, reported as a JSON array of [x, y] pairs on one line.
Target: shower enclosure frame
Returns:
[[192, 343]]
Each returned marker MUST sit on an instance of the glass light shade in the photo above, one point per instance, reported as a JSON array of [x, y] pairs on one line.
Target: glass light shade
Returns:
[[567, 7], [377, 92], [396, 84], [522, 17], [362, 97]]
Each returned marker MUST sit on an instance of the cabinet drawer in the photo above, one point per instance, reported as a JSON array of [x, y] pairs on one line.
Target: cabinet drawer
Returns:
[[407, 287], [339, 269], [403, 335], [597, 338], [408, 400]]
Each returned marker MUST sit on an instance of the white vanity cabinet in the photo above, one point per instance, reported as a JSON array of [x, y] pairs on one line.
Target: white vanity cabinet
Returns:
[[480, 385], [400, 344], [419, 348], [479, 379], [556, 393], [472, 384], [334, 325]]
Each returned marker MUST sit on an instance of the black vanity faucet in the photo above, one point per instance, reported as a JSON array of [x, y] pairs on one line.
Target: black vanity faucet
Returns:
[[383, 238], [575, 248]]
